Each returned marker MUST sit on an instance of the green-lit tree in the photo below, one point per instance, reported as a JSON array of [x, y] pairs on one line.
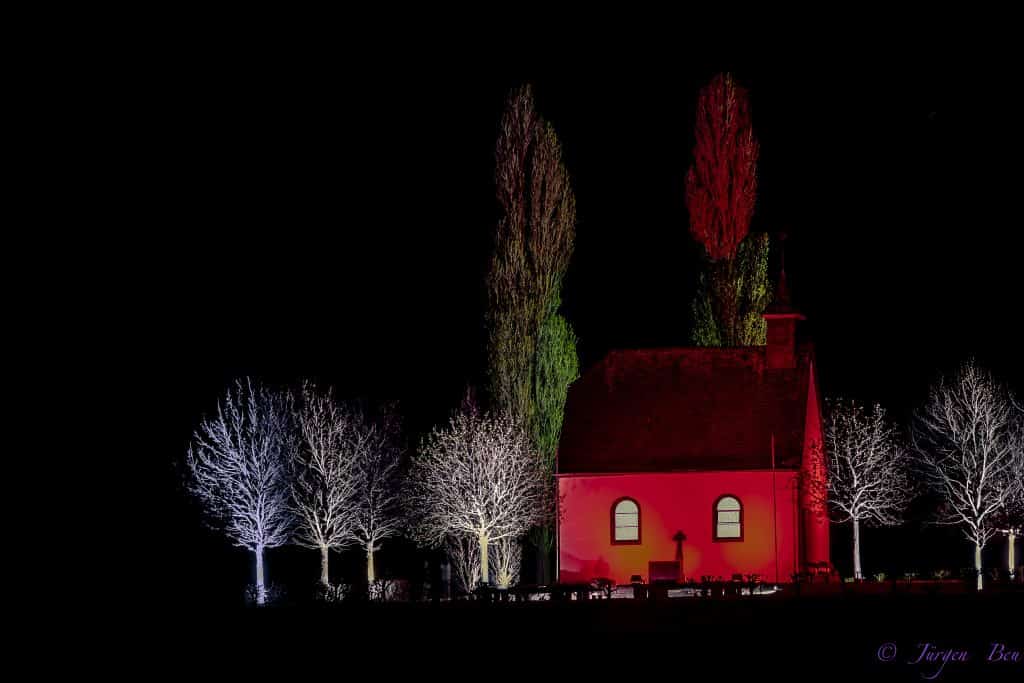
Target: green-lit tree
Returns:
[[532, 248], [531, 348], [556, 367], [747, 275]]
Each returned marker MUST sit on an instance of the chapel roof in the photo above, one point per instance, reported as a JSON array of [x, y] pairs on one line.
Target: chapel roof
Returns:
[[685, 409]]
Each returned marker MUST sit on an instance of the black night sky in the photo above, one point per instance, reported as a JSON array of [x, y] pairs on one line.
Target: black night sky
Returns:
[[305, 211]]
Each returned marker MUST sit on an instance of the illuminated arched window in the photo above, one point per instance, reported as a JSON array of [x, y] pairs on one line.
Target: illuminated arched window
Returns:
[[728, 519], [625, 521]]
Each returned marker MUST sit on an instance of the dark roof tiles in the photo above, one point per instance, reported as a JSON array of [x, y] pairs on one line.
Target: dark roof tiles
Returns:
[[681, 409]]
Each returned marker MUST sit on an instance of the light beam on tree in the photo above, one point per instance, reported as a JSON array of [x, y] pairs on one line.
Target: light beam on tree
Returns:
[[477, 477], [237, 470], [964, 441]]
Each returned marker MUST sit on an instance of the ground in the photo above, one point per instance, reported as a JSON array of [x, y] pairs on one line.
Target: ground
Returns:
[[825, 638]]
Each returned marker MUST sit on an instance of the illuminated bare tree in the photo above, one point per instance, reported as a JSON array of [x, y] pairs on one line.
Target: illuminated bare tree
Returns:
[[507, 556], [465, 559], [323, 481], [964, 441], [377, 456], [237, 470], [868, 473], [478, 477], [1011, 517]]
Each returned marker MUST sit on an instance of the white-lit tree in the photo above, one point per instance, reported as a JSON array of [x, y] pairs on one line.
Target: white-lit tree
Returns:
[[377, 455], [507, 558], [964, 441], [477, 477], [237, 466], [868, 477], [464, 555], [1011, 517], [323, 481]]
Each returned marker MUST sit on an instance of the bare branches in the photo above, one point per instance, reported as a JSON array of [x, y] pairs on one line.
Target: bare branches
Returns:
[[237, 466], [465, 561], [1012, 514], [377, 454], [479, 478], [964, 440], [507, 556], [323, 481], [868, 477]]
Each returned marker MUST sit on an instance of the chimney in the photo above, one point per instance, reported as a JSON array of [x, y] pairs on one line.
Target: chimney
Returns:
[[781, 318]]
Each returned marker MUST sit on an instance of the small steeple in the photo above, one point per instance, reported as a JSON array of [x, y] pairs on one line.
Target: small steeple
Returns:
[[781, 318], [781, 303]]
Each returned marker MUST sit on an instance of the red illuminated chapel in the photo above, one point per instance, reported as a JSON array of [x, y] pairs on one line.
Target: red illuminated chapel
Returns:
[[695, 462]]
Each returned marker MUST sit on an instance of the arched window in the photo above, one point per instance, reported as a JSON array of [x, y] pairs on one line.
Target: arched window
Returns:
[[728, 519], [625, 521]]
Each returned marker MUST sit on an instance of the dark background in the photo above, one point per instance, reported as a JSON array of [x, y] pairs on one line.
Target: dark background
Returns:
[[297, 207]]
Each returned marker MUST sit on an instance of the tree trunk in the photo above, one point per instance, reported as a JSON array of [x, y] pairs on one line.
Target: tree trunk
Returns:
[[484, 575], [261, 591], [542, 540], [857, 572], [371, 570], [977, 562], [1010, 558], [325, 577]]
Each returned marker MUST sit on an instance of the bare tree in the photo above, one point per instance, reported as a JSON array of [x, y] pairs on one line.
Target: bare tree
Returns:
[[377, 456], [323, 481], [1011, 517], [964, 441], [507, 556], [465, 560], [478, 477], [237, 466], [868, 474]]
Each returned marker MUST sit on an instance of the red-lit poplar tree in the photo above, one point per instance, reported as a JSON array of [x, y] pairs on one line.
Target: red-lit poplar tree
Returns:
[[721, 186], [721, 191]]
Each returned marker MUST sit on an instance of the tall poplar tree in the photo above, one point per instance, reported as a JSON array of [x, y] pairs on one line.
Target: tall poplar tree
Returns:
[[531, 348], [721, 191]]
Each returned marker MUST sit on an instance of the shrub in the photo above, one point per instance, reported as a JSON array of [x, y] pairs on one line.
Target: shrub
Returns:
[[388, 590], [275, 594], [333, 593]]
